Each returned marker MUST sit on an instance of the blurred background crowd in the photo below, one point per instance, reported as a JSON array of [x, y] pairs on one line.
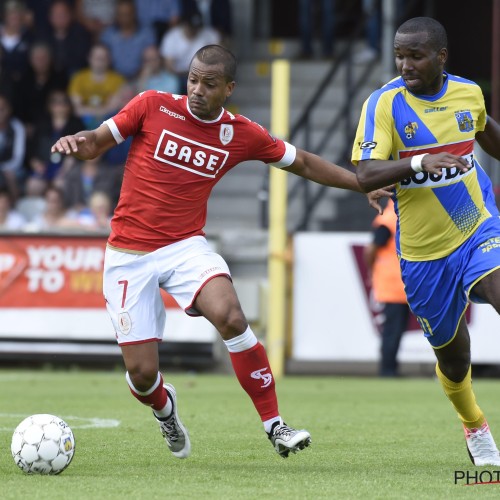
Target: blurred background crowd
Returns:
[[67, 65]]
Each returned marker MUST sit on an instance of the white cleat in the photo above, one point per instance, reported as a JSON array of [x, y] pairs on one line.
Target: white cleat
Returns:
[[286, 439], [481, 446], [172, 429]]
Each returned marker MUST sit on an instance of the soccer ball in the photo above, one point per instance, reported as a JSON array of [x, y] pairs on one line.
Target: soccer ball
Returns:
[[43, 444]]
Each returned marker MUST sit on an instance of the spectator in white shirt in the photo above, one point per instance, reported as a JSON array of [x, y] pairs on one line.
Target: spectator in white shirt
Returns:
[[181, 43]]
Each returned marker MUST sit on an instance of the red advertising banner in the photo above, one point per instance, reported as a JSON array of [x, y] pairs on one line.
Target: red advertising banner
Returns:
[[53, 272]]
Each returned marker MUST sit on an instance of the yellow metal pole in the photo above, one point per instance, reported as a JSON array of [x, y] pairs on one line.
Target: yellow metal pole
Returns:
[[276, 323]]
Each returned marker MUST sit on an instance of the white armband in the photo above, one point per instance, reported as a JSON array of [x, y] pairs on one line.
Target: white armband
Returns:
[[416, 162]]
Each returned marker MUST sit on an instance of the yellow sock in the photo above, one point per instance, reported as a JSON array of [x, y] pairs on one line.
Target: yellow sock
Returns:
[[462, 398]]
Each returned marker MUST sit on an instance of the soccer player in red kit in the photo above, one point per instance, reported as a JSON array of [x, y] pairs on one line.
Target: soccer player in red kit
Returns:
[[182, 146]]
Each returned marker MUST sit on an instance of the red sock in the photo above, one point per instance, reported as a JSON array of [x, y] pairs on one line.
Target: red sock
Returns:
[[157, 398], [255, 376]]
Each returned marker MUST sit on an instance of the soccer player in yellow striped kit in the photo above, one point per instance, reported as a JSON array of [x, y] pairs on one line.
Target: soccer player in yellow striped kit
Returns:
[[418, 131]]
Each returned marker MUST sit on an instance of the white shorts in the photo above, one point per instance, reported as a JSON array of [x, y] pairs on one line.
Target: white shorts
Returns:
[[132, 282]]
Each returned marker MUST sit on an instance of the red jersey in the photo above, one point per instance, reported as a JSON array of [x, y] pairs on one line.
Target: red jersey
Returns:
[[174, 161]]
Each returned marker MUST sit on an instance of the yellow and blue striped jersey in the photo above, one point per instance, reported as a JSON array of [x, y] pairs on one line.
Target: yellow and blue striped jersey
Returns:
[[436, 214]]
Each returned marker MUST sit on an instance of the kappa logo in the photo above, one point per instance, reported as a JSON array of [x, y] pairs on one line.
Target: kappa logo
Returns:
[[211, 270], [163, 109], [267, 378]]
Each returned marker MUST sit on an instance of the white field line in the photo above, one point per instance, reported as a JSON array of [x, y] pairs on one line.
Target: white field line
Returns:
[[73, 421]]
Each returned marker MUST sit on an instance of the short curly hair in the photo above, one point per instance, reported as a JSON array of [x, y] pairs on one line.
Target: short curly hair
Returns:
[[437, 37], [217, 54]]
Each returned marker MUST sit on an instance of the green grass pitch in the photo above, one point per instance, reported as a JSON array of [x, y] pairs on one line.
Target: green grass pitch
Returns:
[[372, 439]]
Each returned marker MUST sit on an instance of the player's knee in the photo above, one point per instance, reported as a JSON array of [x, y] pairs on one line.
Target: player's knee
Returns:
[[143, 376], [231, 324], [455, 369]]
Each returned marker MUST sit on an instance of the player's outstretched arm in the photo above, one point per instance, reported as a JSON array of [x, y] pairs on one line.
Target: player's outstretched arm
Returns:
[[86, 144], [314, 168], [375, 174]]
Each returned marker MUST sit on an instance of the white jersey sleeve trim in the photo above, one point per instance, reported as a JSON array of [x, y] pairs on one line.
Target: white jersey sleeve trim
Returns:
[[114, 130], [288, 157]]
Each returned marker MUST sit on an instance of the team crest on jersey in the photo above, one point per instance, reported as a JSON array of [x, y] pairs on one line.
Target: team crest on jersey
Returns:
[[465, 121], [124, 322], [226, 134], [411, 130]]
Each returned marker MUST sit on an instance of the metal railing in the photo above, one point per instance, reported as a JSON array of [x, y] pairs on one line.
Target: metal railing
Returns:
[[300, 189]]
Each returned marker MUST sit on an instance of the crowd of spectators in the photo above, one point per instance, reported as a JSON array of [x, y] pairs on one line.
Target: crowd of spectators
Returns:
[[67, 65]]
